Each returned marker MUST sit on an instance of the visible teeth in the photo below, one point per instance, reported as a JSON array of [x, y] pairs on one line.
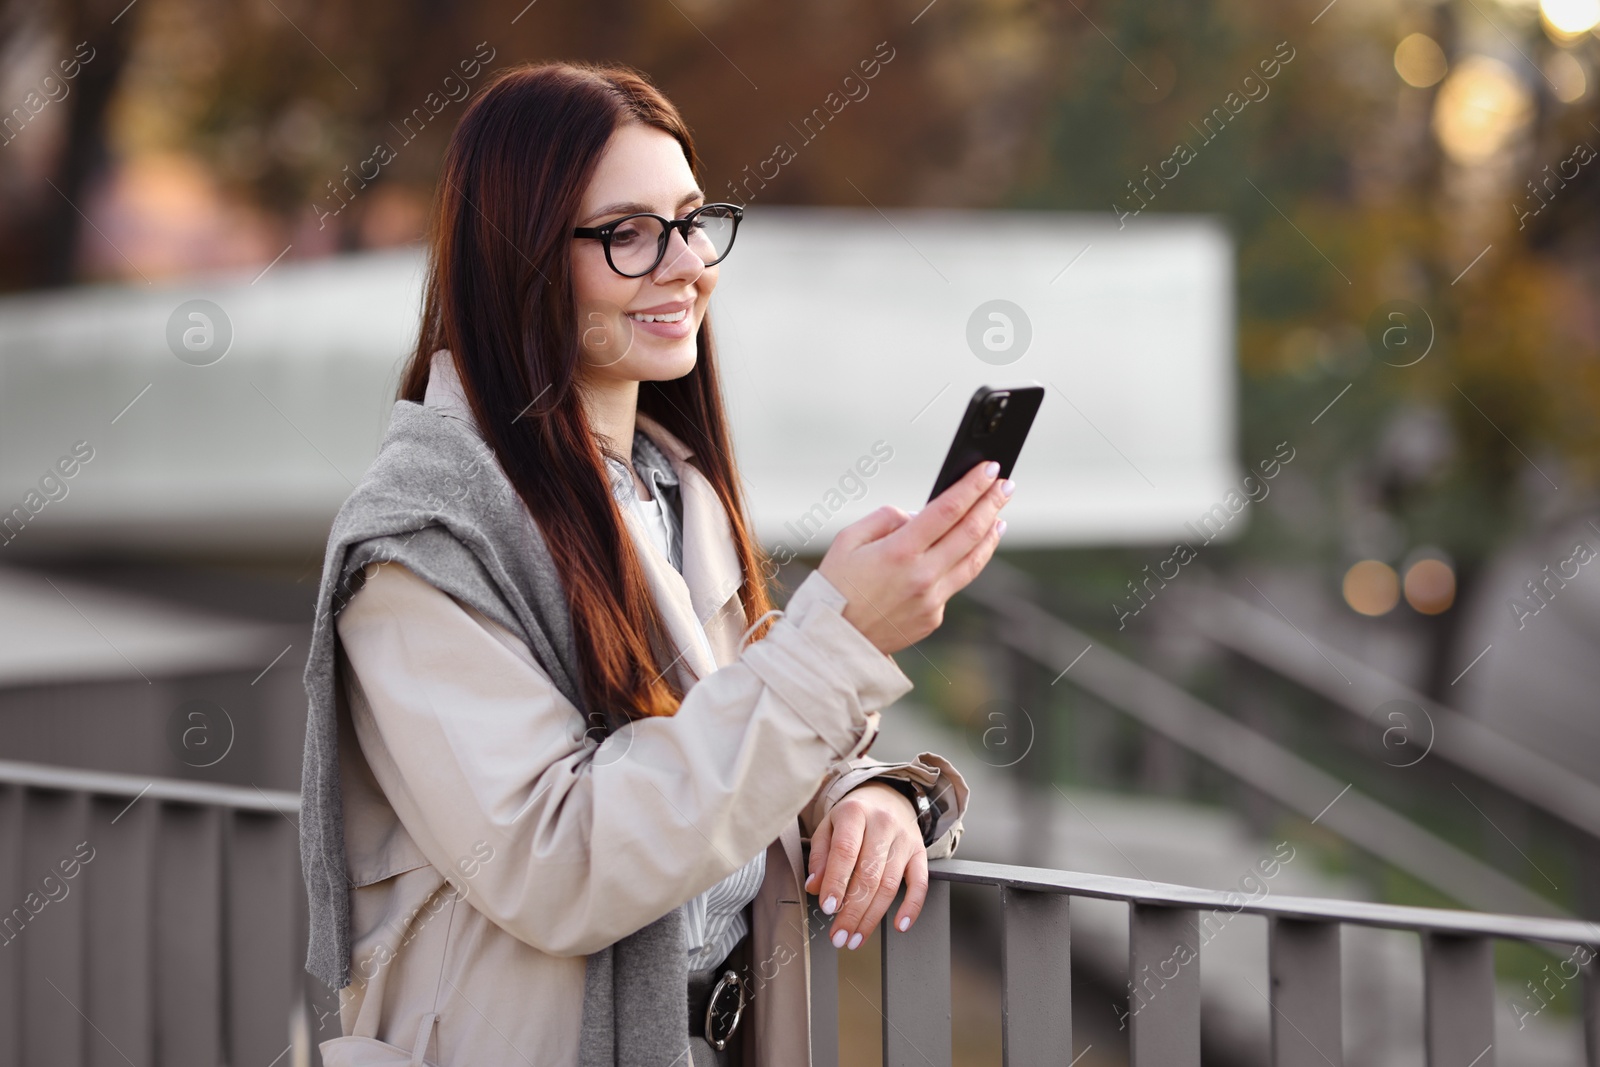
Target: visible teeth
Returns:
[[676, 316]]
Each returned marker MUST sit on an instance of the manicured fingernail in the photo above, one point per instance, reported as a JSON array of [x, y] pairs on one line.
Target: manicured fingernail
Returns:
[[1000, 527], [838, 939], [1007, 487], [811, 879], [829, 905], [905, 924], [855, 939], [991, 468]]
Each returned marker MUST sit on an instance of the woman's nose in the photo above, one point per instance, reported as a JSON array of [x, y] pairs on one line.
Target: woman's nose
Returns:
[[680, 260]]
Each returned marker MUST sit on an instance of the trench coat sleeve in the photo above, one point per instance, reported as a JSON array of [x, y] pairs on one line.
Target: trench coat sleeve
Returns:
[[476, 750], [945, 785]]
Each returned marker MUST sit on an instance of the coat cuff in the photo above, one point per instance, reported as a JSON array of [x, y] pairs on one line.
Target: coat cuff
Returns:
[[945, 785], [817, 606], [834, 668]]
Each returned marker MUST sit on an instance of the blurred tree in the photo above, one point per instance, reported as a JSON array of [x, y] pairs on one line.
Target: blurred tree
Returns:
[[39, 230], [1341, 201], [284, 102]]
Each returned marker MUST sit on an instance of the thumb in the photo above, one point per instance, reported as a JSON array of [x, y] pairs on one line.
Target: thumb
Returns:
[[878, 523], [821, 841]]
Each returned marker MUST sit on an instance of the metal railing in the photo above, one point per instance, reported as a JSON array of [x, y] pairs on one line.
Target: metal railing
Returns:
[[148, 921], [1166, 924], [187, 944]]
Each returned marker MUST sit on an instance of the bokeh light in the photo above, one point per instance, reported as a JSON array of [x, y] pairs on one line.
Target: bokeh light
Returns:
[[1371, 587], [1420, 61], [1430, 586], [1480, 106], [1567, 75], [1569, 18]]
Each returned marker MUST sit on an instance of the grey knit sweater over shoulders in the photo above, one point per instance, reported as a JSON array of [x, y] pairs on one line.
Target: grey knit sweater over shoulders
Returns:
[[436, 500]]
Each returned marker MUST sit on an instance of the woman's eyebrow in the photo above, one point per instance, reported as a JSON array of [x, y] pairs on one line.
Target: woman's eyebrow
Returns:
[[630, 208]]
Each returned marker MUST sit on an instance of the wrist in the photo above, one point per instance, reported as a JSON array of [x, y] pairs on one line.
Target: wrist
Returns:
[[922, 806]]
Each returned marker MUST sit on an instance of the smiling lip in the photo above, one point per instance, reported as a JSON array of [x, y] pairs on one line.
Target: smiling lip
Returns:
[[671, 331], [663, 309]]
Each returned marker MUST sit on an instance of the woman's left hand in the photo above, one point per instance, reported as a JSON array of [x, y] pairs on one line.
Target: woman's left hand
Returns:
[[864, 847]]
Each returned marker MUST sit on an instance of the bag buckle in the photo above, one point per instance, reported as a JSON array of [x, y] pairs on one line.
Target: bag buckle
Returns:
[[716, 1035]]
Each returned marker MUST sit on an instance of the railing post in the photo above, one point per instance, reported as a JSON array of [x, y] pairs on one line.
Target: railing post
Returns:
[[263, 954], [188, 936], [1303, 960], [120, 883], [1164, 986], [1035, 977], [825, 984], [12, 811], [54, 944], [1589, 1015], [1458, 1005], [916, 984]]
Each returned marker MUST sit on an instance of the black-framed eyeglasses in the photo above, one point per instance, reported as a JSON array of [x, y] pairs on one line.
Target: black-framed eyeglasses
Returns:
[[636, 244]]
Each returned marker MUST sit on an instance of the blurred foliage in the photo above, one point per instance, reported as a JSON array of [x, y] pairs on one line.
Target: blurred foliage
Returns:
[[1329, 175], [1338, 151]]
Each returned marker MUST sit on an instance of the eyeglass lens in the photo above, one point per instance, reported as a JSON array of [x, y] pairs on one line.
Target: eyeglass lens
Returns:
[[637, 243]]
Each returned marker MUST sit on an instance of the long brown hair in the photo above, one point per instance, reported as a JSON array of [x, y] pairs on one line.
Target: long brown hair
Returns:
[[499, 296]]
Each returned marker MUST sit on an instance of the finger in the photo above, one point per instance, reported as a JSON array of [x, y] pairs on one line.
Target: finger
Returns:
[[941, 514], [970, 531], [876, 524], [819, 854], [870, 866], [847, 832], [888, 886], [916, 877], [970, 565]]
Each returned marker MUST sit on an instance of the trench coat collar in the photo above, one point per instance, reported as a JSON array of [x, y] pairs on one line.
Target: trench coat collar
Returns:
[[712, 576]]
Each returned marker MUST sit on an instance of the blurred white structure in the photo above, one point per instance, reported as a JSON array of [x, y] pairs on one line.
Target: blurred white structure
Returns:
[[837, 329]]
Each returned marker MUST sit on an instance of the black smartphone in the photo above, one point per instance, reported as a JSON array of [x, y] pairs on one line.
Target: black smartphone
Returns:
[[994, 426]]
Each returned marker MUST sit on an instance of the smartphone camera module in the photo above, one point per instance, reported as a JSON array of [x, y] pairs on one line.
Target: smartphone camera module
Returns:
[[993, 409]]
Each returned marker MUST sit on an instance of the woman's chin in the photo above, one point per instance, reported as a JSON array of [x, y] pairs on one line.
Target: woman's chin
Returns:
[[666, 361]]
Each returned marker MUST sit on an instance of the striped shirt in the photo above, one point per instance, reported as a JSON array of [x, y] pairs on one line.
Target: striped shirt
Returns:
[[715, 920]]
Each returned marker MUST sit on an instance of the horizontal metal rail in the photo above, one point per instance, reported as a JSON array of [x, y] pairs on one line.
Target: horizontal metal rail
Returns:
[[109, 784], [1567, 932]]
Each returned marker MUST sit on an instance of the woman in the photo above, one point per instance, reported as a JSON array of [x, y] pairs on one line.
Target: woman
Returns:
[[559, 772]]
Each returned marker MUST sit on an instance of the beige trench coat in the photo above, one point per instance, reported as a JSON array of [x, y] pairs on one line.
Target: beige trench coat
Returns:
[[491, 847]]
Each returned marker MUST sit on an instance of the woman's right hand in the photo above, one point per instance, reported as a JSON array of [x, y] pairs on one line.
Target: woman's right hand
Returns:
[[897, 570]]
